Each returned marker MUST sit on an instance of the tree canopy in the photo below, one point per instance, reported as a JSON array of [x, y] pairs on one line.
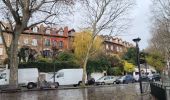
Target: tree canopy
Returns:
[[128, 67], [156, 60], [130, 56], [81, 44]]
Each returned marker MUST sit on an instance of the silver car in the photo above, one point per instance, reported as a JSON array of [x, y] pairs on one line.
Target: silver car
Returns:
[[106, 80]]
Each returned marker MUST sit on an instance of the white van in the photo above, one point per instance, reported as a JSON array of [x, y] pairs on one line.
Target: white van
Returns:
[[68, 77], [144, 72], [26, 77]]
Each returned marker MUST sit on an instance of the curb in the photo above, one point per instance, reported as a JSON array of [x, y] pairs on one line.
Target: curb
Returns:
[[60, 88]]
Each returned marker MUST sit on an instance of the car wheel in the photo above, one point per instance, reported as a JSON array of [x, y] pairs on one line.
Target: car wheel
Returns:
[[31, 85], [103, 83], [114, 82], [80, 82]]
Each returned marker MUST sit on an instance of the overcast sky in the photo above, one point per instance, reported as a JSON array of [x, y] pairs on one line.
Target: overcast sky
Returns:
[[140, 24]]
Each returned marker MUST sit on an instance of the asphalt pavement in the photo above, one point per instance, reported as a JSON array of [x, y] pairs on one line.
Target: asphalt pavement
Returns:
[[106, 92]]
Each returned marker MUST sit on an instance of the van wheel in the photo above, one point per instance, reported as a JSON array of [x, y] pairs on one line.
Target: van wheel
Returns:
[[80, 82], [103, 83], [31, 85], [56, 85]]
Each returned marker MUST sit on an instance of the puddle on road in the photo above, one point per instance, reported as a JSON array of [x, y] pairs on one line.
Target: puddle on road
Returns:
[[125, 92]]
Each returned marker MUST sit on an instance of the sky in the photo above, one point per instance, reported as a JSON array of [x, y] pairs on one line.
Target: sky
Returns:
[[141, 15], [140, 24]]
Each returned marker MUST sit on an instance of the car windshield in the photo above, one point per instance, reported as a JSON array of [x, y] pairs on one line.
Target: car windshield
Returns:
[[121, 77], [101, 78]]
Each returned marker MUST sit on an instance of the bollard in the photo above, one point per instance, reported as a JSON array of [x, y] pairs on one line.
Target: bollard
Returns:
[[167, 93]]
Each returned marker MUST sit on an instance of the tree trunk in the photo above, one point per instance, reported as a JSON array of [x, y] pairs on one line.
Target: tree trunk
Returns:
[[13, 80], [84, 71], [85, 64]]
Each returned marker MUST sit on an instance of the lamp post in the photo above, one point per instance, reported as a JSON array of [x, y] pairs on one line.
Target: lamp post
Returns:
[[138, 62]]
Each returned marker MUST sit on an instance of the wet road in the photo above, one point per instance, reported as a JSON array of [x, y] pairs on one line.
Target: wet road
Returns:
[[112, 92]]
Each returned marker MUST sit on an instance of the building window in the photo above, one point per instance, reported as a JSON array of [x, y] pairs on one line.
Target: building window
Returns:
[[107, 46], [1, 40], [54, 43], [117, 49], [1, 51], [60, 32], [120, 49], [46, 53], [47, 42], [61, 44], [34, 42], [25, 41], [112, 47], [47, 31]]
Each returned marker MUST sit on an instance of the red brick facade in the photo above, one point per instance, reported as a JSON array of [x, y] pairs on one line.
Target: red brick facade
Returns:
[[40, 38]]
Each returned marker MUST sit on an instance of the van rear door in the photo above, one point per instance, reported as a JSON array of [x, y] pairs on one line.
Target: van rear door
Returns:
[[3, 79]]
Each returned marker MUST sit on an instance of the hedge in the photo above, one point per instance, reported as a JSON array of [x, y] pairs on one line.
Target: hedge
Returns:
[[49, 66]]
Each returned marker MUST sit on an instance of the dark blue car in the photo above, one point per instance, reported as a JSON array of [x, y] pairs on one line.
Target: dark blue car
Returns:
[[125, 79]]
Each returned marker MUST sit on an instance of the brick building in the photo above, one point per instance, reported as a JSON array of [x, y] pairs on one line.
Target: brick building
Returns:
[[115, 45], [42, 39]]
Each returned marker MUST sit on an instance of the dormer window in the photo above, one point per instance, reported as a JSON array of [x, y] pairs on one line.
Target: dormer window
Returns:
[[35, 29], [3, 28], [1, 51], [111, 39], [47, 31], [1, 40], [61, 32]]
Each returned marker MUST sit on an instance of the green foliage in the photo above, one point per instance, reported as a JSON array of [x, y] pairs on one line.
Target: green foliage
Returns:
[[115, 60], [107, 63], [42, 59], [66, 56], [128, 67], [97, 65], [156, 60], [114, 71], [49, 66], [22, 55], [130, 56]]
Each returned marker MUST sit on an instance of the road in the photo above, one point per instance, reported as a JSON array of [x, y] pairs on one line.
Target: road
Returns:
[[109, 92]]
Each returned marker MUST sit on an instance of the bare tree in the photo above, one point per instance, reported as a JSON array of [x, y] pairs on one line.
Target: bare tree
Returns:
[[21, 15], [104, 16], [161, 27]]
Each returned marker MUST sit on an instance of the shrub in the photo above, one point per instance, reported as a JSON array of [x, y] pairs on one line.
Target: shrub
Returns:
[[49, 66]]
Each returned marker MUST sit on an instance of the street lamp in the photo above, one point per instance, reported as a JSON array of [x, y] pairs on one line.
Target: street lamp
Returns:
[[138, 62]]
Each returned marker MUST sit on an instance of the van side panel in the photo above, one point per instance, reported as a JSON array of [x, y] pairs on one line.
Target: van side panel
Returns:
[[71, 76]]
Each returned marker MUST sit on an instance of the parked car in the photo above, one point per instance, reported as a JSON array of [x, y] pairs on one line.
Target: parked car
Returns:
[[91, 81], [156, 77], [106, 80], [125, 79]]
